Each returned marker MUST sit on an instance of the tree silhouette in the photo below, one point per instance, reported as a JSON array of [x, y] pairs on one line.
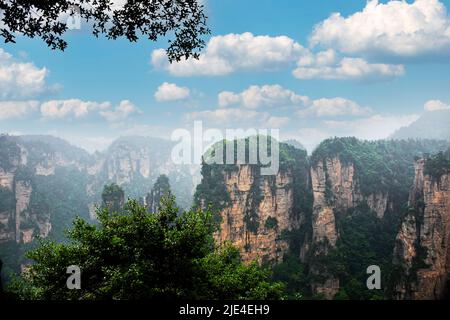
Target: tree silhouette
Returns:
[[47, 19]]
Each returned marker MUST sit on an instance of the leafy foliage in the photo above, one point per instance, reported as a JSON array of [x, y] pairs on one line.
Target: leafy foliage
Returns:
[[60, 197], [227, 278], [160, 189], [293, 274], [7, 200], [438, 165], [212, 191], [113, 197], [364, 240], [9, 151], [185, 19], [136, 255], [271, 223]]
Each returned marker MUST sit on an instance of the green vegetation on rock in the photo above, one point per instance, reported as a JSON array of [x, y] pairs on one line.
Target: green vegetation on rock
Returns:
[[438, 165]]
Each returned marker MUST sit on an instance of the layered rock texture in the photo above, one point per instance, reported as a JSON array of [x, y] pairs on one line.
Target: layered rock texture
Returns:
[[337, 212], [351, 204], [20, 219], [257, 212], [254, 224], [45, 183], [336, 191], [360, 190], [422, 248]]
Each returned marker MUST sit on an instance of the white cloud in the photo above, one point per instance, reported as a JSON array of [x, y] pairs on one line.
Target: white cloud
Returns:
[[243, 52], [334, 107], [16, 109], [396, 28], [433, 105], [232, 52], [121, 112], [59, 109], [276, 96], [231, 117], [323, 67], [20, 79], [171, 92], [276, 122], [262, 96]]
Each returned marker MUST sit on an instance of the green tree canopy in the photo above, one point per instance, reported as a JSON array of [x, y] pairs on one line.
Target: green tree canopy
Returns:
[[160, 189], [113, 197], [136, 255]]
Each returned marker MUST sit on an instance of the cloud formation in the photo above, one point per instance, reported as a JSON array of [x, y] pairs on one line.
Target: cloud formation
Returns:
[[77, 109], [433, 105], [325, 65], [262, 96], [229, 53], [59, 109], [233, 118], [171, 92], [20, 80], [16, 109], [395, 28], [333, 107], [245, 52], [121, 112], [276, 96]]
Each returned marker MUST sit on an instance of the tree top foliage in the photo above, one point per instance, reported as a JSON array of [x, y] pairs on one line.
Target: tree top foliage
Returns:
[[437, 165], [47, 19], [136, 255]]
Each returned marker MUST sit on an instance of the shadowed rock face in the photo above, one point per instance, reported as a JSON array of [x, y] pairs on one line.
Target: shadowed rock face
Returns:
[[423, 242], [336, 190], [262, 243]]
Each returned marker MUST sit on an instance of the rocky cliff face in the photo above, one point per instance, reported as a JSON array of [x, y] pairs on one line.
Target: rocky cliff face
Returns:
[[132, 163], [358, 191], [260, 210], [256, 212], [135, 163], [422, 248], [21, 218], [46, 182], [336, 191]]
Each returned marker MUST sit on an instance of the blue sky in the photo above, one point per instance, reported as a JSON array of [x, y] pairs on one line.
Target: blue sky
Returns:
[[294, 65]]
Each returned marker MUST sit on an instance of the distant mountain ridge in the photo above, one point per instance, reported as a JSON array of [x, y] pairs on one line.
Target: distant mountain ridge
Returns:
[[45, 182], [431, 125]]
